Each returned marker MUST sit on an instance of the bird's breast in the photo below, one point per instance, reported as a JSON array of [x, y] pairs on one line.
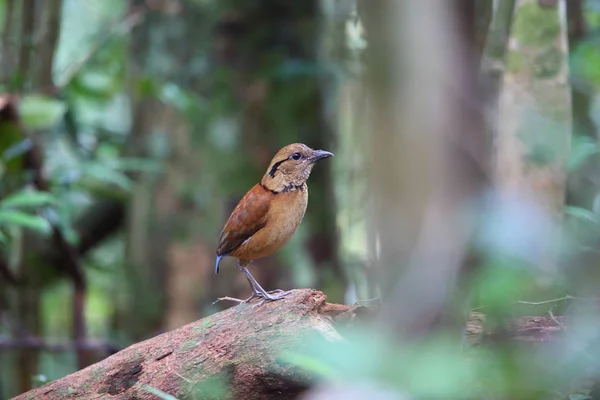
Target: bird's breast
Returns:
[[286, 211]]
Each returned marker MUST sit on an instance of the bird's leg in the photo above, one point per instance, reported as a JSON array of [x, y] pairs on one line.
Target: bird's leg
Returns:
[[255, 292], [259, 291]]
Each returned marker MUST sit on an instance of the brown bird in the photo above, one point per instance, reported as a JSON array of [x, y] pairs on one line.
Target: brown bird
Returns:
[[267, 216]]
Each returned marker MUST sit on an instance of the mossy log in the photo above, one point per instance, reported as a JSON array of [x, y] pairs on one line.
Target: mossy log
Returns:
[[235, 353]]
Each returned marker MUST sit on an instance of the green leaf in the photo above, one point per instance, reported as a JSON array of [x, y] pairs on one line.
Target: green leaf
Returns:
[[21, 219], [582, 214], [136, 164], [582, 148], [107, 175], [159, 393], [39, 112], [28, 199], [310, 364]]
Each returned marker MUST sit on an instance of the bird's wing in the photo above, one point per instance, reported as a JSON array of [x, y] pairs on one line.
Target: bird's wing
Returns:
[[248, 217]]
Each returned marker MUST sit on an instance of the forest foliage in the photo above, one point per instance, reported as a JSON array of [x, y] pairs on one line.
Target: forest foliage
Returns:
[[129, 130]]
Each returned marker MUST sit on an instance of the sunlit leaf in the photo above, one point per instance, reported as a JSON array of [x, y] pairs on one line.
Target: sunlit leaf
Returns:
[[28, 199], [38, 112], [21, 219]]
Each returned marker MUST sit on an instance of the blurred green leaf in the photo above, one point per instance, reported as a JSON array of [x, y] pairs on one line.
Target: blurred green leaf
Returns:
[[159, 393], [584, 64], [582, 148], [28, 199], [95, 85], [313, 365], [184, 101], [580, 396], [39, 112], [582, 214], [106, 174], [136, 164], [21, 219]]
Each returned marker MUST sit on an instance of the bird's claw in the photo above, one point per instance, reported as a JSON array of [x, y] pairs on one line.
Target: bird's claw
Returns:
[[272, 295]]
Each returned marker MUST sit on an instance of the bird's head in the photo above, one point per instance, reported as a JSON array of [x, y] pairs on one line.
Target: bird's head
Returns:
[[291, 166]]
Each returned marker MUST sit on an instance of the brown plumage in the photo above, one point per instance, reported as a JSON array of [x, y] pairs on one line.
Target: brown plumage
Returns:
[[267, 216]]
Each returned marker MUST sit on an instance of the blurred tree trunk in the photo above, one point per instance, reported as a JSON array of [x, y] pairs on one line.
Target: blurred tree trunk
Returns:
[[432, 168], [582, 187], [534, 118], [30, 32], [167, 259]]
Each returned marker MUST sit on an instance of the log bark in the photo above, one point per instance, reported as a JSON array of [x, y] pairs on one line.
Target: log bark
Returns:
[[241, 348]]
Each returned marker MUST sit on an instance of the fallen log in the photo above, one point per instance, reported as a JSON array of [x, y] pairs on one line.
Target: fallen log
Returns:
[[236, 351]]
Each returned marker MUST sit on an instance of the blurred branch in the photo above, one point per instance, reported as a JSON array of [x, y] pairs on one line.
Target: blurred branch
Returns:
[[99, 222]]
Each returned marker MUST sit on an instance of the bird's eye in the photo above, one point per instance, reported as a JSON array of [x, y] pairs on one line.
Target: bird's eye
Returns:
[[296, 156]]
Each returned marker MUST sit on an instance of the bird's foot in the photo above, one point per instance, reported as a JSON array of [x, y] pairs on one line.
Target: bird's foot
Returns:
[[272, 295]]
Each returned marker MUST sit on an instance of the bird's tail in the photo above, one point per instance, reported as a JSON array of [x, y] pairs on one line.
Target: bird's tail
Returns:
[[219, 258]]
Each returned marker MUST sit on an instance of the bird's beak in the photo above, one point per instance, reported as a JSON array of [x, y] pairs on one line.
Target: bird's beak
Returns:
[[319, 155]]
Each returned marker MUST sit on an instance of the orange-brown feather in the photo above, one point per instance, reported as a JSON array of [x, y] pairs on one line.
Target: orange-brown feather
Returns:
[[286, 210], [248, 217]]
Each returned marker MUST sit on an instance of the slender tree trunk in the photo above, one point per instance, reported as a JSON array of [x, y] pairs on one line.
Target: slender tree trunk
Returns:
[[534, 130]]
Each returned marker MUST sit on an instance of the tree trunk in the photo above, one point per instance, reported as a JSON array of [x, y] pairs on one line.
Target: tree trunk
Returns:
[[535, 114]]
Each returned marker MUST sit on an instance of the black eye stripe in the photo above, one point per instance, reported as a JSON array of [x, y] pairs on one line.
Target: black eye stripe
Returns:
[[278, 163]]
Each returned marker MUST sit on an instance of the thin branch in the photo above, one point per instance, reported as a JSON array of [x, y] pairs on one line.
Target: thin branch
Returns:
[[540, 303]]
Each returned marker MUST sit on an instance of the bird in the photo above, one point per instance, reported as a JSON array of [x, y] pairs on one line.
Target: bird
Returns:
[[268, 215]]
